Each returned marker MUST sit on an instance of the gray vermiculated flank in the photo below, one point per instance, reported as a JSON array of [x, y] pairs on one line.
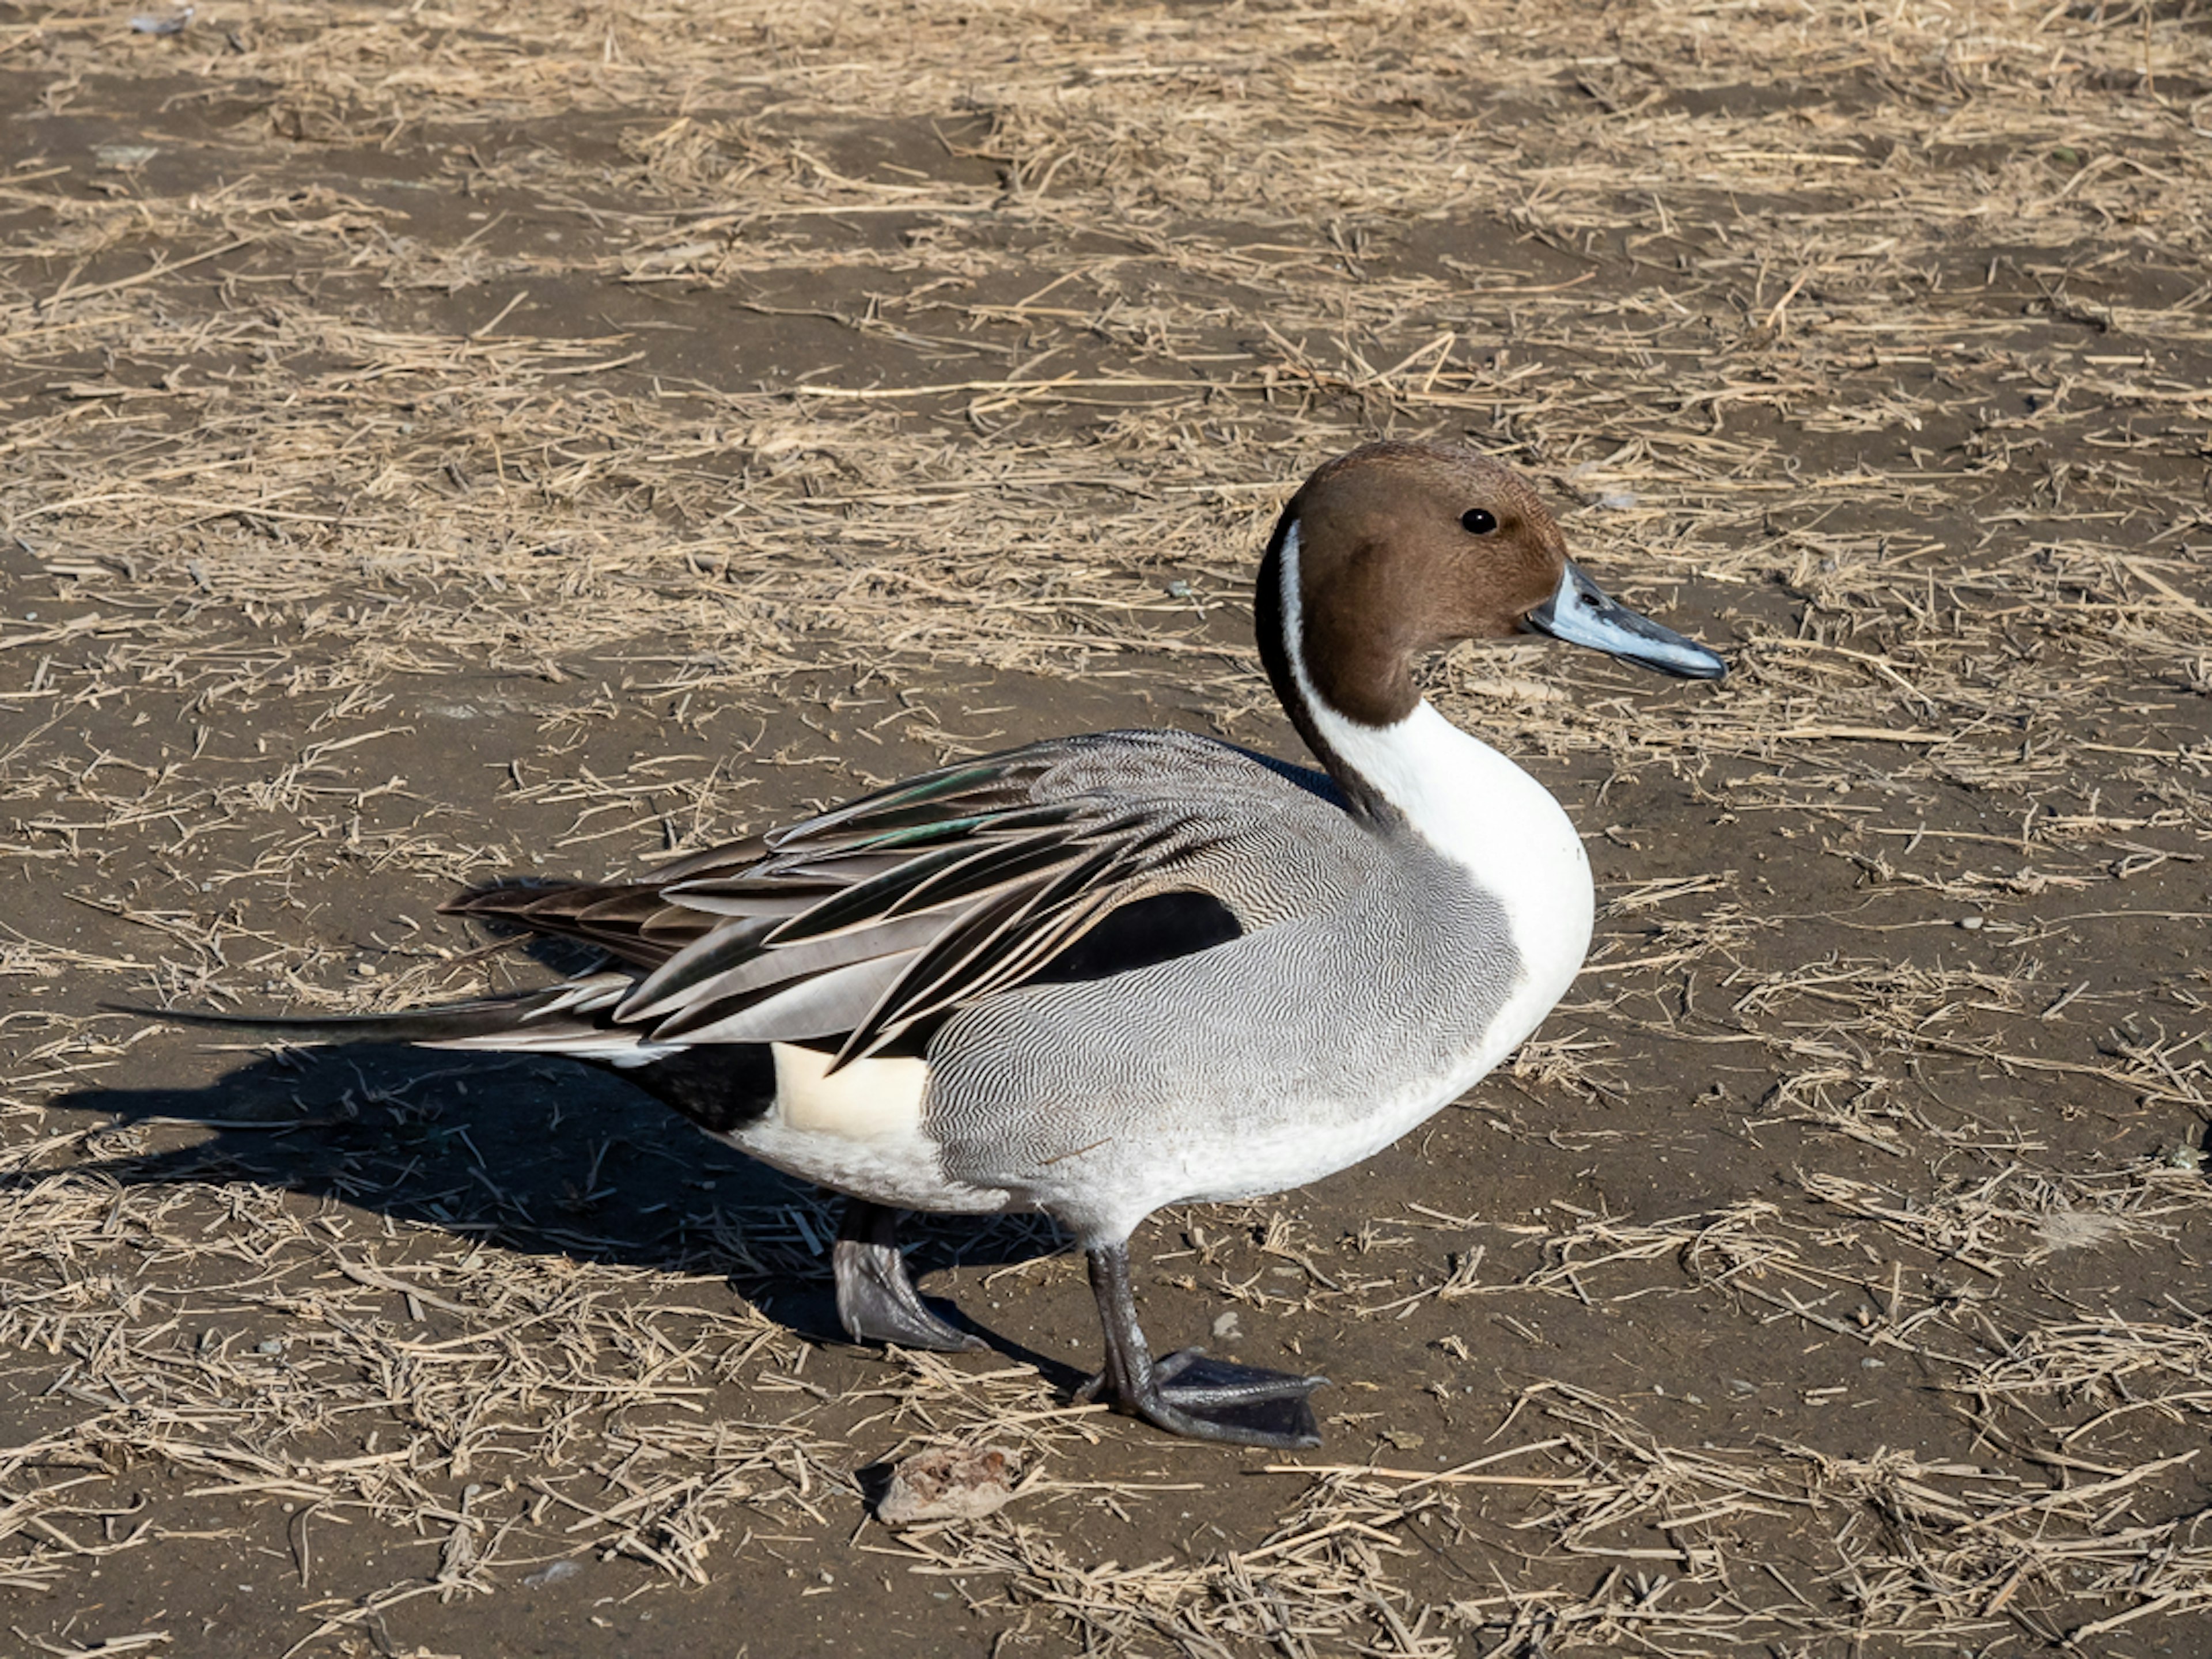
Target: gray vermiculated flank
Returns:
[[1366, 959]]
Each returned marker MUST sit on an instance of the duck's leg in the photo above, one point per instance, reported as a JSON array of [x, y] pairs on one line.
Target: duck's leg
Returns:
[[876, 1300], [1187, 1393]]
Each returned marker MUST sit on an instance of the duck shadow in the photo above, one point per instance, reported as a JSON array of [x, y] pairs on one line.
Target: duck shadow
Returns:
[[538, 1155]]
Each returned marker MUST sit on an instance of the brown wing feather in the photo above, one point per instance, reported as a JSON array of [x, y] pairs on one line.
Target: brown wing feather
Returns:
[[867, 920]]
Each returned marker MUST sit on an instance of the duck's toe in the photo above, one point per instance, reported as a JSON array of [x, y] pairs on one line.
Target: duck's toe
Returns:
[[876, 1299], [1203, 1399], [874, 1312]]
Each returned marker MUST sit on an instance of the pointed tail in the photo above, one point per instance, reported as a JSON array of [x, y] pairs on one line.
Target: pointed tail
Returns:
[[529, 1020]]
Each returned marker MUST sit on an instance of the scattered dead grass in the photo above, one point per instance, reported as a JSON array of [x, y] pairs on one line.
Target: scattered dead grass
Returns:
[[465, 436]]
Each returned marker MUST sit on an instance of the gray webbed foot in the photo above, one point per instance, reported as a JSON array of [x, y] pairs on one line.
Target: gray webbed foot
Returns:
[[876, 1299], [1213, 1400], [1186, 1392]]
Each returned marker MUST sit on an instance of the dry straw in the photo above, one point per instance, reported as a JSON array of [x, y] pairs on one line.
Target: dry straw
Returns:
[[598, 385]]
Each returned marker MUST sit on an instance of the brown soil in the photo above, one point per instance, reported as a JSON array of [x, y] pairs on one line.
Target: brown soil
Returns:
[[445, 441]]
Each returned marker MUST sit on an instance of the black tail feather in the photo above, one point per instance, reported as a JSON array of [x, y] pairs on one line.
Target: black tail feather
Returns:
[[461, 1020]]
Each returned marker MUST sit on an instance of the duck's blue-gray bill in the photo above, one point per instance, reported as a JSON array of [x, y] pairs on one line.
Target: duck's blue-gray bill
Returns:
[[1582, 614]]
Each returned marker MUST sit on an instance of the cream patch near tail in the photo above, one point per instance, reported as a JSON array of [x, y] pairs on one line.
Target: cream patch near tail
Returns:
[[867, 1100]]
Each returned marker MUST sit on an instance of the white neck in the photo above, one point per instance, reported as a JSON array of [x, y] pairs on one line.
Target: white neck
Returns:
[[1470, 804]]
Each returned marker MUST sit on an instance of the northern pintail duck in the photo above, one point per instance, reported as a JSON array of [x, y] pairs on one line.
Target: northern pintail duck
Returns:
[[1103, 974]]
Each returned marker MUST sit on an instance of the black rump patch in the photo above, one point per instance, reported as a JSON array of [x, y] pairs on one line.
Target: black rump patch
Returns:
[[1142, 933], [719, 1086]]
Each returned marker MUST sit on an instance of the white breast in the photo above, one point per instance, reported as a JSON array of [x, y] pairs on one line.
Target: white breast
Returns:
[[1491, 819]]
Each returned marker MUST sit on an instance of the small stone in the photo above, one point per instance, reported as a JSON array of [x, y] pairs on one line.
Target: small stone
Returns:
[[1870, 1363], [552, 1573], [1225, 1328], [1403, 1439], [941, 1484], [1971, 924]]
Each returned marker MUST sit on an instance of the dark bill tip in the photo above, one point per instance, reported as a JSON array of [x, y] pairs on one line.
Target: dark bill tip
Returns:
[[1582, 614]]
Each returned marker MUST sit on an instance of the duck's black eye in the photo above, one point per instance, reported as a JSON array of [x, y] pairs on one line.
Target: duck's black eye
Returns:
[[1478, 521]]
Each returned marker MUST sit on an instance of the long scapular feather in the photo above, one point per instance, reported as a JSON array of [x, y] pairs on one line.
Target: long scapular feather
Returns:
[[997, 867], [687, 989], [928, 968], [633, 923], [1002, 778], [823, 1005], [929, 826], [1021, 927], [730, 856], [896, 891]]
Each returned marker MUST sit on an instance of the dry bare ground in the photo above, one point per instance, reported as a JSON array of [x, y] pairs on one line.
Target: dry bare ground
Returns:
[[452, 439]]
